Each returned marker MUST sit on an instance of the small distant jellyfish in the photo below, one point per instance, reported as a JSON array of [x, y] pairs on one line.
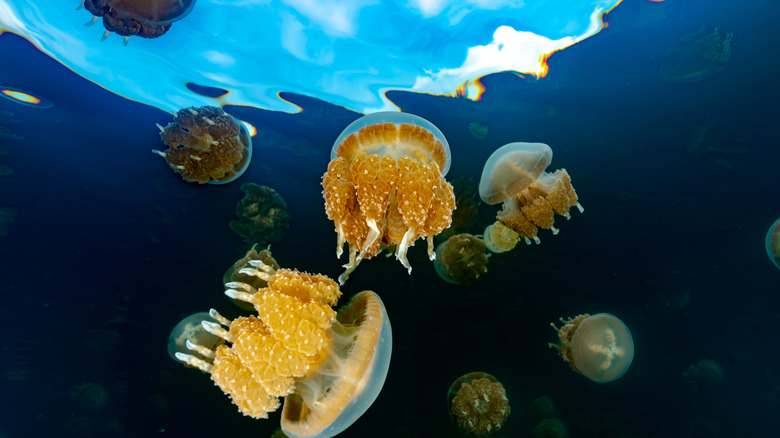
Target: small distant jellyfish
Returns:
[[262, 215], [600, 346], [478, 404], [385, 186], [90, 397], [704, 374], [478, 130], [461, 259], [515, 176], [500, 238], [551, 428], [143, 18], [206, 145], [698, 55], [773, 243]]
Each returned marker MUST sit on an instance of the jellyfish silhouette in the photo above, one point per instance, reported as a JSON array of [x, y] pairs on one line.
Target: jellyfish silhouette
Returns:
[[143, 18], [773, 243]]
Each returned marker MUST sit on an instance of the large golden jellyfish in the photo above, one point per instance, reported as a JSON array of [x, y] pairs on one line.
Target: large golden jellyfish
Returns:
[[515, 175], [206, 145], [385, 184], [143, 18], [599, 347], [329, 366], [773, 243], [478, 404]]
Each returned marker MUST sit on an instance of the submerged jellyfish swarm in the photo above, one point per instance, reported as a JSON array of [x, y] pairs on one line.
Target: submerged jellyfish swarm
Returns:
[[515, 175], [385, 184], [330, 366]]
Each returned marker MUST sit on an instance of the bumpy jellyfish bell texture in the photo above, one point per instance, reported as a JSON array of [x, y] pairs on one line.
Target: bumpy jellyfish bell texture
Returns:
[[330, 366], [206, 145], [385, 185]]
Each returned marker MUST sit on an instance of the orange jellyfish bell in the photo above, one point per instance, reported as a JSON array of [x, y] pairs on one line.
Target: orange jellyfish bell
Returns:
[[385, 184], [515, 175]]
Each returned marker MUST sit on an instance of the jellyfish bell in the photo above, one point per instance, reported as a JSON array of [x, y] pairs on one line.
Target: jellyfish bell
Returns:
[[399, 148], [515, 176], [705, 374], [500, 238], [600, 346], [478, 404], [385, 185], [206, 145], [461, 259], [190, 329], [358, 389], [773, 243], [696, 56], [330, 366], [511, 169], [143, 18]]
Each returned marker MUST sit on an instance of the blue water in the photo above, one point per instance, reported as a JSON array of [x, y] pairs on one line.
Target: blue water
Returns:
[[109, 249]]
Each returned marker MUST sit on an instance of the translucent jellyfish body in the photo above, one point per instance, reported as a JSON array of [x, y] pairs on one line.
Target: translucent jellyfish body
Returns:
[[515, 175], [500, 238], [478, 404], [773, 243], [190, 329], [385, 184], [329, 366], [697, 56], [461, 259], [705, 374], [143, 18], [206, 145], [600, 346], [262, 215]]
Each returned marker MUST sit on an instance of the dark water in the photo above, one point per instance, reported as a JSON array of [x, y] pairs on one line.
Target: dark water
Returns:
[[109, 249]]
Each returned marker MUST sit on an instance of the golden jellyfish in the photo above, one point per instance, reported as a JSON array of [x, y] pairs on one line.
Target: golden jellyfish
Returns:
[[773, 243], [206, 145], [330, 366], [500, 238], [515, 175], [191, 330], [600, 346], [461, 259], [143, 18], [478, 404], [385, 185]]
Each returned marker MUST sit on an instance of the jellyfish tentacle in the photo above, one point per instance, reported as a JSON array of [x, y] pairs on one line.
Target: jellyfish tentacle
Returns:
[[195, 362]]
